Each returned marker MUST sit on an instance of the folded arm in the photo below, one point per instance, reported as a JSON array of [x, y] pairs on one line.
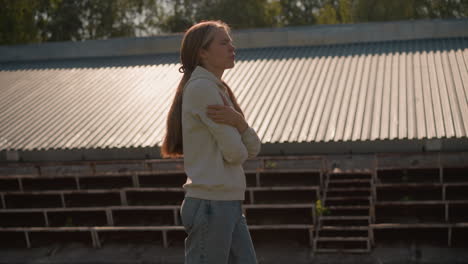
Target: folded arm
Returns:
[[197, 96]]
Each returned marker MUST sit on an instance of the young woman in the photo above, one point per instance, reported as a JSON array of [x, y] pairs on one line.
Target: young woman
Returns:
[[206, 126]]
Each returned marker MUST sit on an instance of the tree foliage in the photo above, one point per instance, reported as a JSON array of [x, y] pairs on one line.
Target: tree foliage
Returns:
[[25, 21], [298, 12], [278, 13], [237, 13], [17, 22], [28, 21]]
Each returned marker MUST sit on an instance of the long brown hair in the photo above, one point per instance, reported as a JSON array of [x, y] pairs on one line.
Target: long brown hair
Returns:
[[195, 38]]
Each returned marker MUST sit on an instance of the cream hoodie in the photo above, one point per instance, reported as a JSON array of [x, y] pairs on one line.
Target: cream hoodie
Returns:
[[213, 152]]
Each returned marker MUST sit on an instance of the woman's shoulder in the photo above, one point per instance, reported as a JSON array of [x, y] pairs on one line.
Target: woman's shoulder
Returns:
[[203, 85], [200, 82]]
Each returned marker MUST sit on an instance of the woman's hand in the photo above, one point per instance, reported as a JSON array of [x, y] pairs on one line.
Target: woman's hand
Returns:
[[226, 114]]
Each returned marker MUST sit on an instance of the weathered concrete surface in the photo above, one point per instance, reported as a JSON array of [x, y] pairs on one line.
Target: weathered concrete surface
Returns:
[[268, 149], [148, 254]]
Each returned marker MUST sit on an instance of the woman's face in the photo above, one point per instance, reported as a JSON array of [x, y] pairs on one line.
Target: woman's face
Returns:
[[220, 53]]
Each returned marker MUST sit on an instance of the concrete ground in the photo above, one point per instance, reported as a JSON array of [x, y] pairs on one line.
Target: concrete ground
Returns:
[[149, 254]]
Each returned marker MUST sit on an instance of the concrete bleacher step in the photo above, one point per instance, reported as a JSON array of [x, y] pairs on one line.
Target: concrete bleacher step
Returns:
[[275, 215], [358, 244], [300, 235], [91, 235], [144, 196], [344, 198], [96, 236], [282, 194], [351, 183], [347, 200], [345, 220], [349, 176], [346, 227], [112, 202], [322, 250], [103, 179], [137, 234], [9, 184], [279, 206], [344, 217], [348, 192], [163, 215], [289, 179], [347, 189], [48, 183], [349, 209], [83, 182], [409, 175], [345, 231], [342, 239]]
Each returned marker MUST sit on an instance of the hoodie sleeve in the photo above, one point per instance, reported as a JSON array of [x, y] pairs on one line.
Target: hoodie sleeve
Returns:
[[251, 141], [198, 95]]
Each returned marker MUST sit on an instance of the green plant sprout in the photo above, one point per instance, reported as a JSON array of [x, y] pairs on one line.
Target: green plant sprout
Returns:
[[320, 209], [270, 164]]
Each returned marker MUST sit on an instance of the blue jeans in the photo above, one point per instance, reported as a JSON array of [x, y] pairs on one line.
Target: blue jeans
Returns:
[[217, 232]]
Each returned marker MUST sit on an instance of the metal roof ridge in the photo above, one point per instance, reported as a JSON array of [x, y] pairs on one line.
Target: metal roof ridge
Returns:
[[244, 39]]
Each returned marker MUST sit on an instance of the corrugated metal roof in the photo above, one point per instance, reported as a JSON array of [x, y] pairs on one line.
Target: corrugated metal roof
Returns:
[[415, 89]]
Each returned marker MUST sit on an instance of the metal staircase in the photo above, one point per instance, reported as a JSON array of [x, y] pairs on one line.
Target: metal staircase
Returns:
[[344, 224]]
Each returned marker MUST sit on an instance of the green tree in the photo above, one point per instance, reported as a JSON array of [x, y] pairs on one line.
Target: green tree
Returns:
[[100, 19], [238, 14], [327, 15], [178, 16], [377, 10], [59, 20], [446, 8], [298, 12], [345, 11], [335, 12], [26, 21], [17, 22], [380, 10]]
